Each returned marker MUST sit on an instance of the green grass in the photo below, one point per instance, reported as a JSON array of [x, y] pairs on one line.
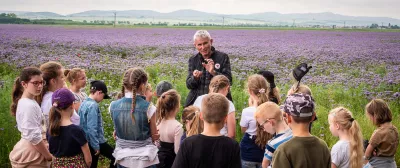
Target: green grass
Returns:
[[327, 97]]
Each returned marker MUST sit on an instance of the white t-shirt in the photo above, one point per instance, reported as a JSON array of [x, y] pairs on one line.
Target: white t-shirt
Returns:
[[224, 130], [247, 120], [340, 154], [46, 107], [29, 120]]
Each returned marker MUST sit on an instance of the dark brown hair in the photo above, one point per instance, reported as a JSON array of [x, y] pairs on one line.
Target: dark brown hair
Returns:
[[380, 110], [55, 120], [25, 76]]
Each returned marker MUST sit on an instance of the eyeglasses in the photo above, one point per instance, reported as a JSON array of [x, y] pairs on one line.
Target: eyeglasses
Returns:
[[37, 83], [261, 126]]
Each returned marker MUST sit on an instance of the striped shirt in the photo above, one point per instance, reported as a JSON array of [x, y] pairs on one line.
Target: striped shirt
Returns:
[[277, 140]]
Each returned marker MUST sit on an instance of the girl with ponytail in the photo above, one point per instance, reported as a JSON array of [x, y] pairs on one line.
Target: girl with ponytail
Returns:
[[348, 151], [192, 122], [220, 84], [31, 150], [169, 128], [134, 123], [255, 139], [67, 142]]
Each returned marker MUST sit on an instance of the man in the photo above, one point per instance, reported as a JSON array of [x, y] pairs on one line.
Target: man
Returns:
[[204, 66]]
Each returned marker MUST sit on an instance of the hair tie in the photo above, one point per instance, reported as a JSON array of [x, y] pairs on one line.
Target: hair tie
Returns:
[[262, 90], [351, 119], [55, 104]]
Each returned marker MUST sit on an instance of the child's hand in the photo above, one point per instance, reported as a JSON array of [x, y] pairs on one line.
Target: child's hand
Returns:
[[155, 137], [115, 135]]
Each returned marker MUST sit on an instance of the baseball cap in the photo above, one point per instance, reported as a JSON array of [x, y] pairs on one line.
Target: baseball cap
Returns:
[[62, 98], [300, 71], [162, 87], [99, 86], [299, 105]]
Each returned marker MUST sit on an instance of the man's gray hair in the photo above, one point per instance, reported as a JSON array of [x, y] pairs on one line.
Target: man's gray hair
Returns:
[[201, 34]]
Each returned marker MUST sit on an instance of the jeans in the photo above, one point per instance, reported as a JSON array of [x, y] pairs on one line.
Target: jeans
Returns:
[[106, 150], [246, 164]]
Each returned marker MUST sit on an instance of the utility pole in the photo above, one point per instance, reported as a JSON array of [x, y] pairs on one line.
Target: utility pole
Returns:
[[294, 22], [382, 26], [344, 24], [115, 18], [223, 21]]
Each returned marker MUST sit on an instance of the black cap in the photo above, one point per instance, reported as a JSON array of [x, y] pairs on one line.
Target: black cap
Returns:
[[162, 87], [300, 71], [101, 86]]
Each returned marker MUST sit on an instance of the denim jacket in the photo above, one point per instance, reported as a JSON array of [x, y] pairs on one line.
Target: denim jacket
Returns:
[[121, 116], [92, 122]]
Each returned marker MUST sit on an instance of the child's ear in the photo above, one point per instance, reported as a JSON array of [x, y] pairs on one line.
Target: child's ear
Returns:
[[289, 119], [201, 115], [337, 126], [313, 117]]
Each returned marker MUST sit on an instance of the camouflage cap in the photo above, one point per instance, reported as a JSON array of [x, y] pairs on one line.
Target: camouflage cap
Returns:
[[299, 105]]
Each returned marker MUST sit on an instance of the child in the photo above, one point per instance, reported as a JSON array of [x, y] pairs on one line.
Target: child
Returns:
[[210, 148], [77, 78], [162, 87], [53, 74], [220, 84], [273, 92], [270, 119], [348, 151], [191, 119], [169, 128], [31, 150], [385, 139], [92, 123], [303, 149], [134, 123], [148, 93], [67, 142], [254, 139]]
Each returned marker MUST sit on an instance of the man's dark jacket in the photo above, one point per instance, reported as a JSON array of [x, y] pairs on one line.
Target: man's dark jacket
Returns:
[[200, 86]]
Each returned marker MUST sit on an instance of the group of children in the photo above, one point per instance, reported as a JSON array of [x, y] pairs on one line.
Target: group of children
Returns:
[[63, 127]]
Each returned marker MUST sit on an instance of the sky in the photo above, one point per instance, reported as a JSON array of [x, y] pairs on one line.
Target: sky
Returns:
[[376, 8]]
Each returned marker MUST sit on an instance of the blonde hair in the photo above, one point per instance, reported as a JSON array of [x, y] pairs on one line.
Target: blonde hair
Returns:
[[302, 89], [167, 103], [192, 113], [148, 87], [269, 110], [215, 108], [255, 84], [73, 73], [133, 78], [344, 118], [380, 110], [218, 82]]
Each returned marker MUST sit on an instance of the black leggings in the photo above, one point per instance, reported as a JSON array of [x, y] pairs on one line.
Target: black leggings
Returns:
[[106, 150]]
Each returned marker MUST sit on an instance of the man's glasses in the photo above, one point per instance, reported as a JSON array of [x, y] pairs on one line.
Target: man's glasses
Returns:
[[37, 83]]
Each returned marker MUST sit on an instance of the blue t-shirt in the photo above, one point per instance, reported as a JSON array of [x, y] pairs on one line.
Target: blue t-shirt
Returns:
[[68, 143]]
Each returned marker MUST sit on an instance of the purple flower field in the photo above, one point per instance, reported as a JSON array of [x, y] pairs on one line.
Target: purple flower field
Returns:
[[349, 58]]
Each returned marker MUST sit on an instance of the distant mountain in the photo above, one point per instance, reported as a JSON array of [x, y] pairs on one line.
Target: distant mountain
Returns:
[[40, 14], [326, 18]]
